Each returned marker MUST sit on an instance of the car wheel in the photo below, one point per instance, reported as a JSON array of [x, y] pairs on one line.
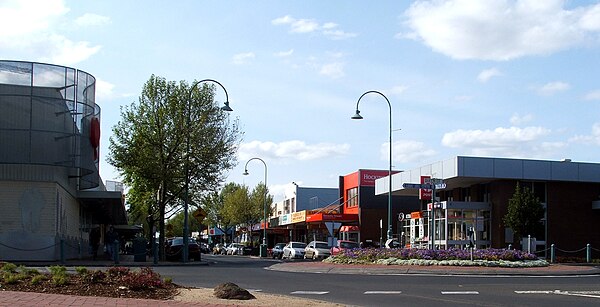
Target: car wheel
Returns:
[[314, 256], [305, 256]]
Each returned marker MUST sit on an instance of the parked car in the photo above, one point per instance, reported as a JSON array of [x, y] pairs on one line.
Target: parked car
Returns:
[[277, 251], [342, 245], [293, 250], [317, 250], [234, 249], [204, 248], [174, 249], [219, 249]]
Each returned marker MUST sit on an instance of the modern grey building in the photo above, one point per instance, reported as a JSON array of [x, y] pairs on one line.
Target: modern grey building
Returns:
[[477, 193], [50, 188]]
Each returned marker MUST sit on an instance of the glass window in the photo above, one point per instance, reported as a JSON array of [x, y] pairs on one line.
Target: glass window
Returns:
[[352, 196]]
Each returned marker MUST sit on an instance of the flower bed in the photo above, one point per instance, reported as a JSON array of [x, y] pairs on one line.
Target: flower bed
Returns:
[[453, 257]]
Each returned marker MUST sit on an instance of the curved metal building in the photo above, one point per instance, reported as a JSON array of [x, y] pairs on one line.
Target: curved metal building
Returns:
[[50, 184]]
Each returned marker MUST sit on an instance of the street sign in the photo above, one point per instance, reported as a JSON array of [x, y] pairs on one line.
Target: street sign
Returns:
[[199, 214], [417, 186], [440, 186]]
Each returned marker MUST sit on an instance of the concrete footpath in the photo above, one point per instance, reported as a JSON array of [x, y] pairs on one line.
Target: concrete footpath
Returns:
[[11, 298]]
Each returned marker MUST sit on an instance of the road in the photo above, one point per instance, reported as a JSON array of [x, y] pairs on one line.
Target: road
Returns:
[[390, 290]]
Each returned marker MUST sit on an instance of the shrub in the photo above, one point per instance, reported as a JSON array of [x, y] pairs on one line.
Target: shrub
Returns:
[[9, 267], [37, 279], [60, 280], [81, 270], [12, 278], [145, 278], [118, 271], [58, 270]]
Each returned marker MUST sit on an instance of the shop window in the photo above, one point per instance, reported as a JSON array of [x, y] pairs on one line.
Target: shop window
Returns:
[[352, 196]]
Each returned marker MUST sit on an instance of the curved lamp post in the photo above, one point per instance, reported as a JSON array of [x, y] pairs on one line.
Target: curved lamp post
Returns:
[[263, 248], [187, 175], [358, 116]]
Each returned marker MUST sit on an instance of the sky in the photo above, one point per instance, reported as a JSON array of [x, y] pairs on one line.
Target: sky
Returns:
[[496, 78]]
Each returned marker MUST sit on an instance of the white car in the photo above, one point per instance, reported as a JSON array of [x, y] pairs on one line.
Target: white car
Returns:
[[317, 250], [294, 250], [234, 249]]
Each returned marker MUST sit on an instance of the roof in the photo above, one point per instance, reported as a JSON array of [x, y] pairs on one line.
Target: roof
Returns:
[[463, 171]]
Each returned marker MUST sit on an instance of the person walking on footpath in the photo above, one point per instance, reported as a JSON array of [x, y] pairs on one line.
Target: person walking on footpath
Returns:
[[109, 240], [94, 241]]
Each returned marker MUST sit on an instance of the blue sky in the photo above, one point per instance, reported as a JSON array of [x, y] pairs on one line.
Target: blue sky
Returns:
[[488, 78]]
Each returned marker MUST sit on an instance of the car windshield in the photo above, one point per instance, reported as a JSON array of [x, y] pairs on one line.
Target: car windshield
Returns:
[[348, 244], [321, 245], [298, 245], [280, 245]]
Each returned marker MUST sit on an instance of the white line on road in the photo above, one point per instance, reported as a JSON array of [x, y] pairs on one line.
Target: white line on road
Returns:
[[310, 292], [382, 292], [535, 292], [459, 292], [592, 294]]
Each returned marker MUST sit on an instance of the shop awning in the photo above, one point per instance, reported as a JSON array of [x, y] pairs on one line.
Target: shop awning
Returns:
[[106, 207]]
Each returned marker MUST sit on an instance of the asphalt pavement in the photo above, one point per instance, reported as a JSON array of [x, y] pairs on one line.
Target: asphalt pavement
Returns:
[[11, 298]]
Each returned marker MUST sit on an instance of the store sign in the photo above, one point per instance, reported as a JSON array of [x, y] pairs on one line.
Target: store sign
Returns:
[[425, 194], [286, 219], [298, 217], [368, 177]]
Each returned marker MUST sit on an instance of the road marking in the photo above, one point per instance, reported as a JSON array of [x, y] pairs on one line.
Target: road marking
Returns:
[[382, 292], [310, 292], [592, 294], [254, 290], [459, 292]]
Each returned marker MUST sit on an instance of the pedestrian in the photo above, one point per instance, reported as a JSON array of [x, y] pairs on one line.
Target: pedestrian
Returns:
[[109, 241], [94, 241]]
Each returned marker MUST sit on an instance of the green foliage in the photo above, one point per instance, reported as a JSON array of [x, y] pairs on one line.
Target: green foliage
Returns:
[[37, 279], [168, 280], [81, 270], [174, 132], [58, 270], [12, 278], [60, 280], [524, 212], [9, 267]]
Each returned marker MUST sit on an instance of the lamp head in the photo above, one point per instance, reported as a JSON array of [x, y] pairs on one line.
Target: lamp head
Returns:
[[226, 107], [357, 115], [246, 173]]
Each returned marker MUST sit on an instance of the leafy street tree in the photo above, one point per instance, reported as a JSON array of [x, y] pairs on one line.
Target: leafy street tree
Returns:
[[524, 212], [215, 212], [172, 127], [242, 207]]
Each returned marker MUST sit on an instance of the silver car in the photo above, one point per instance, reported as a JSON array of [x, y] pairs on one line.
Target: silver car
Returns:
[[317, 250], [294, 250]]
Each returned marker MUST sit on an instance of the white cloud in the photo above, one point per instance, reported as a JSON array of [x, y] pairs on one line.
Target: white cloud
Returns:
[[296, 150], [405, 151], [500, 29], [27, 27], [593, 95], [487, 74], [282, 54], [104, 90], [328, 29], [517, 120], [511, 141], [243, 58], [463, 98], [397, 90], [553, 88], [89, 20], [333, 70], [592, 139]]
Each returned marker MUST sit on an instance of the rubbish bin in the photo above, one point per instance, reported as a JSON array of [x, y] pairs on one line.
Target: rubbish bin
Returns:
[[263, 250], [139, 250]]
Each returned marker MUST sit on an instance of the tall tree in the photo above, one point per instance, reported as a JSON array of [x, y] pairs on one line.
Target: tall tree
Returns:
[[242, 207], [524, 212], [172, 128]]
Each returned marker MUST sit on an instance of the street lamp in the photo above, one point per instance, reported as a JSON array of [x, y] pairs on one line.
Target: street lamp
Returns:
[[358, 116], [263, 248], [187, 162]]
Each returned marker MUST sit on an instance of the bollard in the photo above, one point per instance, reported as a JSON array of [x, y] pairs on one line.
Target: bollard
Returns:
[[552, 254], [471, 253], [529, 244], [588, 253], [509, 246], [116, 248], [155, 251], [62, 251]]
